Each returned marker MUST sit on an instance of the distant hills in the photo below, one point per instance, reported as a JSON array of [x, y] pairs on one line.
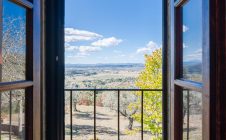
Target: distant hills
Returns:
[[193, 67], [105, 65]]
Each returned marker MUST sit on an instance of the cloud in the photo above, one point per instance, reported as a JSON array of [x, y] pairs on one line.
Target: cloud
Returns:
[[70, 48], [185, 46], [88, 49], [74, 35], [196, 55], [107, 42], [82, 50], [185, 28], [150, 47], [117, 51]]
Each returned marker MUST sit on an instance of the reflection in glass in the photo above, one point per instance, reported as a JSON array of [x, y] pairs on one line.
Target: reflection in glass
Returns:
[[13, 45], [13, 115], [192, 40], [192, 115]]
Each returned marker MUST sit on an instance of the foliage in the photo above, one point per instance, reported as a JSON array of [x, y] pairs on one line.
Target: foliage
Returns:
[[126, 98], [151, 78]]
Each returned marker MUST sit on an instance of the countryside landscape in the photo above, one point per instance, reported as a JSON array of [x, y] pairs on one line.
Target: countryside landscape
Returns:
[[101, 76], [108, 76]]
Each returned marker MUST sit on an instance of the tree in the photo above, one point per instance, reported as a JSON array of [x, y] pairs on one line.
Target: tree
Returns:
[[126, 98], [194, 104], [151, 78]]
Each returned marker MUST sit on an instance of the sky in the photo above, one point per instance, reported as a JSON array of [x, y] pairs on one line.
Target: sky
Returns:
[[111, 31], [192, 31], [119, 31], [123, 31]]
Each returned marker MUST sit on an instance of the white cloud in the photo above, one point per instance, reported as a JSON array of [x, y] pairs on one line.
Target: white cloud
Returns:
[[150, 47], [196, 55], [122, 55], [117, 51], [185, 46], [74, 35], [70, 48], [82, 50], [88, 49], [185, 28], [107, 42]]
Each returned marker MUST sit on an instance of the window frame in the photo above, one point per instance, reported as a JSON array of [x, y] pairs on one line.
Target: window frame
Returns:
[[177, 82], [32, 82]]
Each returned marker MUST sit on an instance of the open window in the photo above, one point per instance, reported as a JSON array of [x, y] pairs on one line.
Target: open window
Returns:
[[20, 70]]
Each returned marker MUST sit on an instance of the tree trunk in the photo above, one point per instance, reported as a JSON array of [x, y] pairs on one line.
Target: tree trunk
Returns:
[[130, 126], [75, 106], [184, 113], [20, 117]]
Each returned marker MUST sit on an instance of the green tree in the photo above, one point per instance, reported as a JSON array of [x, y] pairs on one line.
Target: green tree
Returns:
[[151, 78]]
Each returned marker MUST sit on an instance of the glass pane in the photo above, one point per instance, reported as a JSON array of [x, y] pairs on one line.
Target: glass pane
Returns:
[[192, 40], [192, 115], [13, 115], [13, 47]]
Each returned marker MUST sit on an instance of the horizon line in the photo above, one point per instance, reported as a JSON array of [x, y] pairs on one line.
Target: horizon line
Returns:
[[98, 63]]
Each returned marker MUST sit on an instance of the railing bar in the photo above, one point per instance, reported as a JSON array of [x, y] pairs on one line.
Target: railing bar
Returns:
[[94, 114], [71, 114], [118, 90], [10, 114], [142, 116], [118, 114], [188, 102], [113, 89]]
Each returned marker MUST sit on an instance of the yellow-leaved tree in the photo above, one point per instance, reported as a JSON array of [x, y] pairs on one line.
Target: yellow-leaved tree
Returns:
[[151, 78]]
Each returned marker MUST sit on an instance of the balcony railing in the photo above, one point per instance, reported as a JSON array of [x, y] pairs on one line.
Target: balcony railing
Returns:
[[12, 114], [71, 92]]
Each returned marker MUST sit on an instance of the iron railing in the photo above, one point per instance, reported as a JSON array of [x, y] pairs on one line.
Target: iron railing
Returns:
[[95, 92], [9, 127]]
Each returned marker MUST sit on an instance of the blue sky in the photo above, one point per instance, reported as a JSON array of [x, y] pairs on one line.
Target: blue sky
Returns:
[[192, 32], [111, 31], [120, 31]]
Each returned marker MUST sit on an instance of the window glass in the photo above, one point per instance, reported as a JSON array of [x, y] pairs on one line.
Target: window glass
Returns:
[[12, 108], [13, 47], [192, 40], [192, 115]]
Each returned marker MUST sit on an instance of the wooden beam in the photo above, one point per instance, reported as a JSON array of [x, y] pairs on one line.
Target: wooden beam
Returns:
[[24, 3], [6, 86], [191, 85]]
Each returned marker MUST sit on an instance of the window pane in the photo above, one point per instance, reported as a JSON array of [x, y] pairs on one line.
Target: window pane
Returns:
[[192, 115], [192, 40], [13, 45], [12, 115]]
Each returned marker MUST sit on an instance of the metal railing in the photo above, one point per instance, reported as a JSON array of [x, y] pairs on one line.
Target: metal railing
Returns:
[[95, 92], [9, 107]]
